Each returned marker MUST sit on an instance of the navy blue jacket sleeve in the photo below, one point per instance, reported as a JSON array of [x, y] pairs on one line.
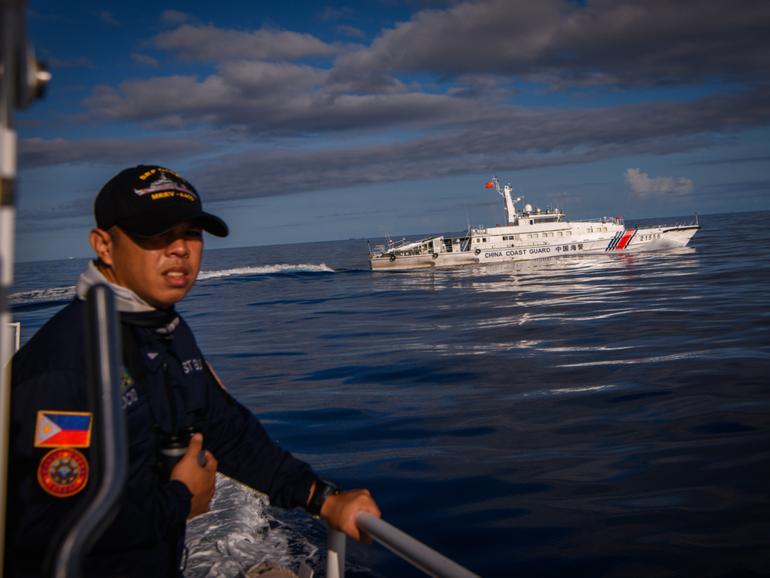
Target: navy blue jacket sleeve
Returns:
[[246, 453]]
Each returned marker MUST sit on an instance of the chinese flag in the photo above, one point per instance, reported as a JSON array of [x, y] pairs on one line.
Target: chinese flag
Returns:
[[489, 185]]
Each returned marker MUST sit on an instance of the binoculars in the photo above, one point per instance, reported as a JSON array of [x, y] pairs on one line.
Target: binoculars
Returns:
[[172, 448]]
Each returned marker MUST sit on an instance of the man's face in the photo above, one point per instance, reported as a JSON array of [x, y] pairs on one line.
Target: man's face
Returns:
[[160, 269]]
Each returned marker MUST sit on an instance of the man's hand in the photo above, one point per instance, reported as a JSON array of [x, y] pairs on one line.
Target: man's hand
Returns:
[[340, 512], [198, 478]]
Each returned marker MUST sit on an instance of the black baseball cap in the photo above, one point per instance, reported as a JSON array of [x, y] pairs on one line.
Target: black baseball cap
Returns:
[[148, 200]]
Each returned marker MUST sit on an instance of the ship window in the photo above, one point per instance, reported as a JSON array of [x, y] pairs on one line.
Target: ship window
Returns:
[[535, 235], [590, 229], [484, 239], [515, 237]]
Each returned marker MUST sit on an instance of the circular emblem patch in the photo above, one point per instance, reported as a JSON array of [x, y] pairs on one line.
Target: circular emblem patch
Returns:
[[63, 472]]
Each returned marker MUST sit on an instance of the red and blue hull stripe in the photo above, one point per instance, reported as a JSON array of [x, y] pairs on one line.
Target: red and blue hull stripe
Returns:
[[621, 240]]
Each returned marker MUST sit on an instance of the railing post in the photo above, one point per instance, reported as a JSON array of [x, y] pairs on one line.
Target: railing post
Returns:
[[9, 52], [109, 454], [416, 553], [335, 557], [21, 81]]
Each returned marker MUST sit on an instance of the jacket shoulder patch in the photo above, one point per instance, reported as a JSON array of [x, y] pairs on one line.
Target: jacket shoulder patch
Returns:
[[55, 429], [63, 472]]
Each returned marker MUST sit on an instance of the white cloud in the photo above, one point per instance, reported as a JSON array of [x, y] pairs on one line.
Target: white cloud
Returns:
[[77, 62], [644, 186], [216, 44], [565, 42], [145, 59], [351, 31], [40, 152], [107, 17], [174, 17]]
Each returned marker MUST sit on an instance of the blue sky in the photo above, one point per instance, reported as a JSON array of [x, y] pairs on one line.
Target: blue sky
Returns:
[[308, 121]]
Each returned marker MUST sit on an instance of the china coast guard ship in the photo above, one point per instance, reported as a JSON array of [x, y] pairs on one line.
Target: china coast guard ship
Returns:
[[528, 234]]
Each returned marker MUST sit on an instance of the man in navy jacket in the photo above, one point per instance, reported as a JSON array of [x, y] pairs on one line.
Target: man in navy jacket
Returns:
[[148, 243]]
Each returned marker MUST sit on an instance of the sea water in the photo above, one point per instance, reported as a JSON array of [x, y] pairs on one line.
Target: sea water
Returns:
[[591, 416]]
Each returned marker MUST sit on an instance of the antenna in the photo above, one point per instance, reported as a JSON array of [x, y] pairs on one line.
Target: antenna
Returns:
[[496, 181]]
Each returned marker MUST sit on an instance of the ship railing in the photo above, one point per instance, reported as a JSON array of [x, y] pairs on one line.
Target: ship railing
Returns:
[[15, 327], [605, 220], [693, 223], [406, 247], [109, 446], [22, 80], [400, 543], [405, 244]]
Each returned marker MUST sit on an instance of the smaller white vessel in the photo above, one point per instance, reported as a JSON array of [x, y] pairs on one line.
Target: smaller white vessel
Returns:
[[528, 234]]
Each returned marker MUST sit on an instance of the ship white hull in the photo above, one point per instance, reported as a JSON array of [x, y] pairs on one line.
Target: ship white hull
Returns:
[[529, 234], [432, 252]]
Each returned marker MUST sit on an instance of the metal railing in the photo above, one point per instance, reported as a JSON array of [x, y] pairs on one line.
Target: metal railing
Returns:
[[400, 543], [109, 450], [16, 328], [22, 80]]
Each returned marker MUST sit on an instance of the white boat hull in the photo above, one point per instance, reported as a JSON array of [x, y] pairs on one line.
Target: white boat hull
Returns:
[[529, 234], [432, 251]]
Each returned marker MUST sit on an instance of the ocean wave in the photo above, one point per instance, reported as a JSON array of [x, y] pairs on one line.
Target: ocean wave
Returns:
[[55, 294], [266, 270], [42, 295], [239, 531]]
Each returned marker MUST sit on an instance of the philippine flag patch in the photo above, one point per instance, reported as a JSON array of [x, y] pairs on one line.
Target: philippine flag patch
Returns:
[[55, 429]]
